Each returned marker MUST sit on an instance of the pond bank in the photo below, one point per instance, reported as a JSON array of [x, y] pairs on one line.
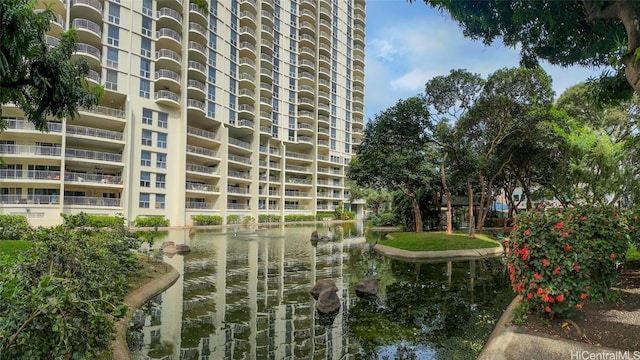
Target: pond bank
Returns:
[[134, 300], [431, 256]]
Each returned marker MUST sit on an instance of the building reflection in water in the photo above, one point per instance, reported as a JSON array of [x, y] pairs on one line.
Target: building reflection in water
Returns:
[[245, 295]]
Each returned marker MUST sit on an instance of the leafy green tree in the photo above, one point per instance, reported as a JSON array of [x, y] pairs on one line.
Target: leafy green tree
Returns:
[[40, 80], [512, 101], [396, 153], [451, 97], [587, 33]]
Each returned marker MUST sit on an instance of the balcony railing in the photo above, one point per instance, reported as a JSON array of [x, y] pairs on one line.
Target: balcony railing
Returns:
[[91, 201], [296, 193], [237, 190], [241, 159], [92, 178], [170, 33], [240, 143], [170, 13], [15, 124], [201, 187], [296, 207], [199, 205], [93, 155], [166, 53], [29, 174], [237, 206], [88, 49], [239, 174], [164, 73], [202, 169], [103, 110], [166, 94], [87, 131], [87, 25], [203, 133], [297, 168], [29, 199], [93, 3], [200, 151], [296, 155], [35, 150]]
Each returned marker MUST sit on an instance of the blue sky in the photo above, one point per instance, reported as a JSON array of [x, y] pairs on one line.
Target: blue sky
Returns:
[[408, 44]]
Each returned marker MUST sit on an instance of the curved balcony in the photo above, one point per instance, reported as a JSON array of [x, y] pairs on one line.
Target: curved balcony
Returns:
[[94, 77], [309, 27], [308, 4], [358, 18], [266, 105], [245, 94], [358, 79], [266, 75], [326, 48], [193, 104], [306, 103], [247, 49], [325, 37], [195, 46], [249, 4], [51, 41], [323, 132], [305, 115], [324, 108], [198, 32], [266, 89], [358, 50], [168, 17], [306, 90], [265, 117], [163, 76], [245, 123], [358, 89], [245, 109], [246, 78], [247, 65], [358, 39], [266, 60], [359, 8], [266, 15], [325, 13], [87, 29], [266, 32], [358, 109], [56, 25], [324, 60], [323, 143], [307, 53], [166, 97], [168, 59], [307, 14], [324, 84], [265, 130], [358, 28], [196, 69], [247, 18], [93, 7], [168, 39], [323, 120], [325, 25], [91, 52], [196, 86], [306, 78], [308, 40], [324, 95], [247, 31], [325, 71], [198, 14], [305, 128]]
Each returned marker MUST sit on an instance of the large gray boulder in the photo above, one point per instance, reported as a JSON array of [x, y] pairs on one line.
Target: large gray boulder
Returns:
[[325, 293], [367, 288], [314, 235]]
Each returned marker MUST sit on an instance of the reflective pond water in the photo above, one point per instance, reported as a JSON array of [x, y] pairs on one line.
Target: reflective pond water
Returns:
[[244, 294]]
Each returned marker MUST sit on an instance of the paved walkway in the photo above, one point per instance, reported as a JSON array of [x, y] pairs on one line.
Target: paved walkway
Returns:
[[508, 343]]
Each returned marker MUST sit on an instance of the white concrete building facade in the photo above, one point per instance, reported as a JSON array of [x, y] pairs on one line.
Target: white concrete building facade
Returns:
[[245, 107]]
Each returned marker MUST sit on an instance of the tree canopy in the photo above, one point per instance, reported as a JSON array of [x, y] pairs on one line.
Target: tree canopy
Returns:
[[41, 80], [586, 33]]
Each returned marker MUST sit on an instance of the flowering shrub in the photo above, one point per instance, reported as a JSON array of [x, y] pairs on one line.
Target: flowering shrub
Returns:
[[558, 259], [633, 219]]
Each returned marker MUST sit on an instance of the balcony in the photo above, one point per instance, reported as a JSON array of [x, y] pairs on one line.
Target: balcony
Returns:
[[194, 186], [166, 38], [30, 150], [196, 46], [94, 77], [296, 155], [11, 174], [200, 205], [94, 5], [198, 30], [239, 159], [94, 132], [237, 206], [196, 85], [73, 154], [240, 143], [195, 104], [167, 75], [168, 13], [166, 54], [201, 13], [166, 97], [15, 124], [202, 169], [239, 174], [91, 51], [202, 133], [88, 26], [107, 111], [51, 41], [77, 177], [197, 150], [194, 65], [245, 123], [238, 190], [29, 199], [92, 201]]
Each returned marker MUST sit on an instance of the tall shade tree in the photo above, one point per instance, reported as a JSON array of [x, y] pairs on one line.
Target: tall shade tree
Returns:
[[41, 80], [451, 97], [587, 32], [512, 101], [396, 153]]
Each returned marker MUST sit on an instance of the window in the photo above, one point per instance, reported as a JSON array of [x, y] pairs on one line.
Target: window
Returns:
[[114, 13], [162, 140], [145, 158], [146, 26], [145, 47], [145, 179], [146, 138], [112, 57], [145, 88], [144, 201], [160, 180], [112, 80], [113, 35], [147, 116], [145, 68], [161, 160], [163, 120], [147, 7], [160, 198]]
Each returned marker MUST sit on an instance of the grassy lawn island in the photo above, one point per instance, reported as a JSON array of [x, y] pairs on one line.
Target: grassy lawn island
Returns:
[[437, 241]]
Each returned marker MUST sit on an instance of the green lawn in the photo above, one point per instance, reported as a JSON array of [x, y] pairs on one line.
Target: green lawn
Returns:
[[437, 241], [13, 247]]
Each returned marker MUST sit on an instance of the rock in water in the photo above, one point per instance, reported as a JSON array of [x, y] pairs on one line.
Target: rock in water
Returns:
[[314, 235], [367, 288], [325, 293], [183, 248], [322, 285]]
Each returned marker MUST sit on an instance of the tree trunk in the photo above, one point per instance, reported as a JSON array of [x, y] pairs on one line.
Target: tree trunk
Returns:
[[416, 213], [447, 193], [472, 224], [481, 212], [437, 199]]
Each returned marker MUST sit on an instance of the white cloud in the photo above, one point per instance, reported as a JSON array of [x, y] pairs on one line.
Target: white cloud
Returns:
[[413, 80], [382, 49]]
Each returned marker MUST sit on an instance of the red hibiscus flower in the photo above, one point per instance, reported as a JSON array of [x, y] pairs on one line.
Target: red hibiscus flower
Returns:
[[537, 277], [527, 232], [530, 296], [612, 256], [545, 262], [579, 306], [557, 270], [576, 267], [559, 225], [560, 298], [540, 291], [547, 309], [567, 248], [583, 296], [515, 227]]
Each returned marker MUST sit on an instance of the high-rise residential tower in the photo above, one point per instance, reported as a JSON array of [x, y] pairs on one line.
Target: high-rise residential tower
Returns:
[[234, 107]]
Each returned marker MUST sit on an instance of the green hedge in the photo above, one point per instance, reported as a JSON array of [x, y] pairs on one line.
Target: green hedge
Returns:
[[233, 219], [269, 218], [203, 220], [384, 219], [151, 221], [13, 227], [323, 215], [89, 220], [296, 218]]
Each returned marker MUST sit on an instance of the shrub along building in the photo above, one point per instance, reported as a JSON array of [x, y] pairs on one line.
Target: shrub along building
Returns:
[[244, 107]]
